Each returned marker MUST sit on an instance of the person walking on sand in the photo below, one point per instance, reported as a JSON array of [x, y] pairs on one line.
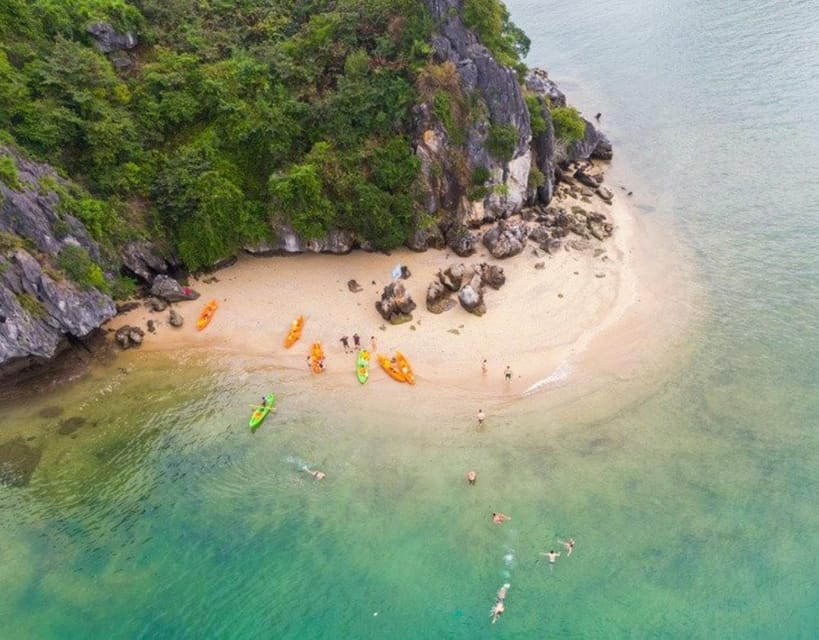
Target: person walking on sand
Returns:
[[481, 417], [471, 477], [373, 344], [508, 373], [356, 340], [552, 555], [500, 518], [483, 367], [344, 341]]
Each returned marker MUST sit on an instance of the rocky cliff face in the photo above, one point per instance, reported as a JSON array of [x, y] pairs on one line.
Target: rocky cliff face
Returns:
[[495, 95], [39, 305]]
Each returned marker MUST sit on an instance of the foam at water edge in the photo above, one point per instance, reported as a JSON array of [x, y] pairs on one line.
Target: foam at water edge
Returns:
[[558, 375]]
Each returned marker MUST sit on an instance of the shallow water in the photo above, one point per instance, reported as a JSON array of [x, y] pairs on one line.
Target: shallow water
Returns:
[[690, 488]]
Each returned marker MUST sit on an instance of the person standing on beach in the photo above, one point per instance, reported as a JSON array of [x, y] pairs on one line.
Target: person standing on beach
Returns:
[[344, 341], [356, 340], [508, 373], [483, 366], [373, 344], [481, 417]]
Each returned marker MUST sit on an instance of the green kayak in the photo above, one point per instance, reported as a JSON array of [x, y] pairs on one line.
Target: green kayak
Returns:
[[260, 413], [362, 366]]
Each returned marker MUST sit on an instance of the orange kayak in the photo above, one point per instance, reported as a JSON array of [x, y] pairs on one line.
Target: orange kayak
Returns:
[[391, 368], [295, 332], [206, 315], [317, 358], [404, 367]]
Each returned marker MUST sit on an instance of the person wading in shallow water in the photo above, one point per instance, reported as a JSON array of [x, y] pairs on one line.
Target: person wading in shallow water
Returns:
[[471, 477], [481, 416]]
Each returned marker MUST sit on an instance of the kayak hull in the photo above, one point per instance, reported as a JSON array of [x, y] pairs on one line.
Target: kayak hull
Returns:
[[404, 367], [206, 315], [260, 413], [295, 332], [317, 358], [362, 366], [391, 369]]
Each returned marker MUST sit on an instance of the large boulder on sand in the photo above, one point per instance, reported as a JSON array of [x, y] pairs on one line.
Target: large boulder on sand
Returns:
[[396, 305], [170, 290]]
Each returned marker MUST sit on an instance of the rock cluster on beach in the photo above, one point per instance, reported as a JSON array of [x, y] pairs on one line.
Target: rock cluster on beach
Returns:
[[467, 284], [469, 196]]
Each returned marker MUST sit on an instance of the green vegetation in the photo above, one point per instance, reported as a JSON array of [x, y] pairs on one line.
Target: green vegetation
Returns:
[[9, 242], [8, 173], [537, 118], [123, 288], [31, 305], [502, 140], [569, 125], [228, 106], [75, 262], [490, 19]]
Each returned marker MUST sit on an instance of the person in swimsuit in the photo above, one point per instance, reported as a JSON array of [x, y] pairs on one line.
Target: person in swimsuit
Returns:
[[552, 555], [568, 545], [499, 608], [471, 477], [500, 518]]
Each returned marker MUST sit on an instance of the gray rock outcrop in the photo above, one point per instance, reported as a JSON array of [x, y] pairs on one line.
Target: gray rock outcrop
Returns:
[[170, 290], [39, 305], [107, 39], [396, 305]]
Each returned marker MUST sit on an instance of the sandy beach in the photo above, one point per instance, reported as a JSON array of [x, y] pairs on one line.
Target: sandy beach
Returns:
[[582, 314]]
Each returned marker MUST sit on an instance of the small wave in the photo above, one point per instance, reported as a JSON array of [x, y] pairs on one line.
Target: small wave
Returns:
[[558, 375]]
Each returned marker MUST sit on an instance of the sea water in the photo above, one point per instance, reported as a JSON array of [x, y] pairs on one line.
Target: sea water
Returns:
[[692, 501]]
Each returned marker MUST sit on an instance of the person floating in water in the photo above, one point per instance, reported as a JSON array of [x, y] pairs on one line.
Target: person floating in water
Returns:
[[500, 518], [552, 555], [499, 608], [318, 475], [568, 545]]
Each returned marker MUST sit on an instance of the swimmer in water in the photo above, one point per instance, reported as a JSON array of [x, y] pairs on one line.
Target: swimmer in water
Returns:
[[471, 477], [499, 608], [318, 475], [500, 518], [568, 545], [552, 555]]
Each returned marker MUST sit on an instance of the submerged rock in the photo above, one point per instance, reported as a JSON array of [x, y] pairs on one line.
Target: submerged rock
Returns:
[[18, 461], [70, 425]]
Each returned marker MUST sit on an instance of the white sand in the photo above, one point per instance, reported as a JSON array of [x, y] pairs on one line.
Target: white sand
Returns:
[[580, 316]]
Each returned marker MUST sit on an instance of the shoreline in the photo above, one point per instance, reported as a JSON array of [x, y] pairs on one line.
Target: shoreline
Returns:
[[550, 324]]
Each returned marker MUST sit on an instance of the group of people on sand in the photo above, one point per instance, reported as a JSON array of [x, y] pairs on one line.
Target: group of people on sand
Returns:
[[345, 342]]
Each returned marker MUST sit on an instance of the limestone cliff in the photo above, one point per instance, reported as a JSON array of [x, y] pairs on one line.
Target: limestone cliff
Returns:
[[39, 305]]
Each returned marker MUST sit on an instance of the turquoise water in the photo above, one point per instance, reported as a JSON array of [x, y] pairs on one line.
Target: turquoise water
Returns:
[[691, 493]]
